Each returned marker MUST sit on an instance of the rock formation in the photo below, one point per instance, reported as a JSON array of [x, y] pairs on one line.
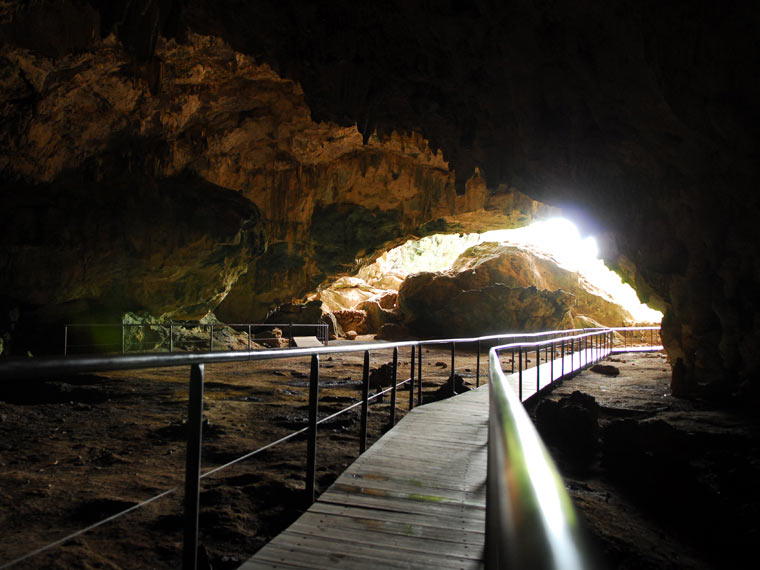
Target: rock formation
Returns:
[[640, 119], [494, 288], [517, 266]]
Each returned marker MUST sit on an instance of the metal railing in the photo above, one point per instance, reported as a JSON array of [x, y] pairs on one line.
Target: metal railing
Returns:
[[527, 505], [168, 337], [17, 370], [636, 339]]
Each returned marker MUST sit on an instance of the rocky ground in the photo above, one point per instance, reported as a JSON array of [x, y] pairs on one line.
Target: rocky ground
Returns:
[[661, 482]]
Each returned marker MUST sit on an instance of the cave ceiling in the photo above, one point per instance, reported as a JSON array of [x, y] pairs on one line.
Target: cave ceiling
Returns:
[[638, 119]]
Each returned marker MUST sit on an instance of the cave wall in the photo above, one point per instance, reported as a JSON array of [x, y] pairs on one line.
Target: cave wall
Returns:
[[639, 118], [165, 182]]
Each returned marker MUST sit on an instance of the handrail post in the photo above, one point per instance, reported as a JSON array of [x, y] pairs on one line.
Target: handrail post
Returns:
[[572, 350], [477, 367], [290, 335], [65, 340], [551, 368], [419, 376], [193, 467], [249, 338], [171, 337], [452, 387], [365, 404], [211, 337], [519, 374], [411, 380], [311, 446], [393, 389], [123, 340], [563, 357], [513, 360], [538, 369]]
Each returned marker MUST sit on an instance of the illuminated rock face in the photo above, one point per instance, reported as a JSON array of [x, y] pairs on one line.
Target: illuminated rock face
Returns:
[[639, 118], [490, 263], [123, 194], [494, 288]]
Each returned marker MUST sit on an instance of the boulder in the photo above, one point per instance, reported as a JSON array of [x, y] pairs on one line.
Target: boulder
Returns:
[[376, 315], [352, 320], [571, 425], [434, 305], [394, 331], [381, 377], [517, 266]]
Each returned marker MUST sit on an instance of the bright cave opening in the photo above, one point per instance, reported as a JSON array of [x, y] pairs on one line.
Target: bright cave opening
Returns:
[[549, 255]]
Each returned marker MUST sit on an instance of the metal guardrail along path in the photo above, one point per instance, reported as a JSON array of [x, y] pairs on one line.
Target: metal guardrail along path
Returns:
[[417, 497]]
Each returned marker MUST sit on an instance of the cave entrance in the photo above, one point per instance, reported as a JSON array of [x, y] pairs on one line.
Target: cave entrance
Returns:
[[550, 255]]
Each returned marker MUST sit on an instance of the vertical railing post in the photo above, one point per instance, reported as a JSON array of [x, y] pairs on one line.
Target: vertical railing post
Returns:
[[290, 335], [419, 376], [393, 388], [551, 367], [519, 374], [193, 467], [311, 436], [123, 340], [513, 360], [477, 367], [411, 380], [171, 337], [365, 404], [211, 337], [65, 340], [452, 387], [249, 338], [538, 369], [572, 350], [562, 370]]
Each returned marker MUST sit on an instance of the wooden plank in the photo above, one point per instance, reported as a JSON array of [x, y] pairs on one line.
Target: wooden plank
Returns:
[[430, 527], [373, 555], [429, 545], [395, 517]]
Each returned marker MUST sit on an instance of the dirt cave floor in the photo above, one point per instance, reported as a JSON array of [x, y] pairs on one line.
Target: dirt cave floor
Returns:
[[660, 482], [76, 450]]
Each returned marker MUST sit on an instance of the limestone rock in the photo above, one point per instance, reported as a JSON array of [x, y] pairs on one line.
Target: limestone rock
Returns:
[[435, 305], [352, 320], [522, 267], [394, 331]]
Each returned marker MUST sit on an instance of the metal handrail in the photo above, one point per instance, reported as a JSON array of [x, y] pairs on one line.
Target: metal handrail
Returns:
[[530, 518], [17, 369]]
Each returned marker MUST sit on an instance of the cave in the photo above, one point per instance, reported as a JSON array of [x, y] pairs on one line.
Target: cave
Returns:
[[173, 158]]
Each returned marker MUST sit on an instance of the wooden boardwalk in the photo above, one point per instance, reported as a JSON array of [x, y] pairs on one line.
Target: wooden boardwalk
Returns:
[[415, 499]]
